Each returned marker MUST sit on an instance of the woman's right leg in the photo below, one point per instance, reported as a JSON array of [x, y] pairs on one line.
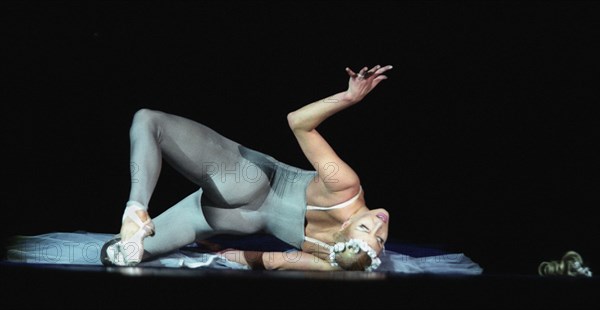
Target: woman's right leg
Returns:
[[187, 145], [195, 151]]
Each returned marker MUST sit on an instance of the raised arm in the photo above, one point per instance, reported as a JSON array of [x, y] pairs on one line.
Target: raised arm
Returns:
[[335, 174]]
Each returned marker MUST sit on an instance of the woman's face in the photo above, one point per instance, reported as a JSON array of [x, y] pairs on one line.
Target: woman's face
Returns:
[[371, 226]]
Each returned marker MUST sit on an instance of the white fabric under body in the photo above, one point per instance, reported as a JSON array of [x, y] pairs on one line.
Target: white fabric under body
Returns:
[[82, 248]]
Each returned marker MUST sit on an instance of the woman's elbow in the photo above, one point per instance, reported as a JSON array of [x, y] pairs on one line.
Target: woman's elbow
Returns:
[[292, 120], [298, 123]]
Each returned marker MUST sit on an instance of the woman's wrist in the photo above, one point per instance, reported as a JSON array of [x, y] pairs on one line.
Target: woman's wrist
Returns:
[[351, 98]]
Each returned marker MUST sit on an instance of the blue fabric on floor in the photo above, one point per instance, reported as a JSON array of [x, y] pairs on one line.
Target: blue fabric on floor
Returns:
[[83, 248]]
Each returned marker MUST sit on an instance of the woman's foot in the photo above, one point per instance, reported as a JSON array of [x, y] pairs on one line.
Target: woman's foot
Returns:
[[128, 249], [129, 227]]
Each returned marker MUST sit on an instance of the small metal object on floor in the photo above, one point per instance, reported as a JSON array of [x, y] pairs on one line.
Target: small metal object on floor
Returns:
[[571, 264]]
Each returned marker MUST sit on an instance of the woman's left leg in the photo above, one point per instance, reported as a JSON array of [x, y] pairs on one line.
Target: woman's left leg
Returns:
[[177, 227]]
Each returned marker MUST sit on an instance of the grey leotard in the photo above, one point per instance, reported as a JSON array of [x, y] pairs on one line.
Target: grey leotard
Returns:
[[241, 191]]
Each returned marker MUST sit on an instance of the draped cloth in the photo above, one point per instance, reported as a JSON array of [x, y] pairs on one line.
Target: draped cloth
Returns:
[[83, 248]]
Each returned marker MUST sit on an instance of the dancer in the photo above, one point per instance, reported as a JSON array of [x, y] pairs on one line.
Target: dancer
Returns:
[[322, 213]]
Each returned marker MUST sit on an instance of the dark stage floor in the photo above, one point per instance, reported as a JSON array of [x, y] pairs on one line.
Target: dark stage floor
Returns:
[[83, 287]]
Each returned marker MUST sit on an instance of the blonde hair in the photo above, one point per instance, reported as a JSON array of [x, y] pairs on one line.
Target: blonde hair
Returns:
[[348, 259]]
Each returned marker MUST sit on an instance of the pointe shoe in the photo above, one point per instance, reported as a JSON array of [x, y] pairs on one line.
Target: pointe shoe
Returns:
[[118, 252]]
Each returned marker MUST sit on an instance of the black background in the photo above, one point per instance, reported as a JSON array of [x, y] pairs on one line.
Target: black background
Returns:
[[483, 139]]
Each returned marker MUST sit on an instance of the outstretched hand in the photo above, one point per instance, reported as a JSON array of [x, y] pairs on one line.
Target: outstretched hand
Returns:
[[361, 83]]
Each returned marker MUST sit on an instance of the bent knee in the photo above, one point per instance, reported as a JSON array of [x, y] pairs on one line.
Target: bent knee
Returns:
[[145, 119], [146, 115]]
